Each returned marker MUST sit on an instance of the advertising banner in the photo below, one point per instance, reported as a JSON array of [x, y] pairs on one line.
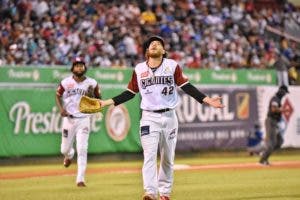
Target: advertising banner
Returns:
[[121, 76], [231, 77], [31, 124], [55, 74], [204, 127], [290, 123]]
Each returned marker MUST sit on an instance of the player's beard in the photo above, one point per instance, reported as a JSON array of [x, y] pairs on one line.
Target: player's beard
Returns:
[[79, 74], [154, 54]]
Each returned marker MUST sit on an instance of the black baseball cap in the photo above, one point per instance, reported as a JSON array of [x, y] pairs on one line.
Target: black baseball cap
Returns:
[[155, 38], [151, 39], [284, 88]]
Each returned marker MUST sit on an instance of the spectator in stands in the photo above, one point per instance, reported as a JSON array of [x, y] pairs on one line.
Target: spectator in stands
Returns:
[[282, 65], [228, 34], [294, 71]]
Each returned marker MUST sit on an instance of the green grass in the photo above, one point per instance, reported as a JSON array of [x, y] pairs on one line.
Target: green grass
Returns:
[[238, 184], [229, 184]]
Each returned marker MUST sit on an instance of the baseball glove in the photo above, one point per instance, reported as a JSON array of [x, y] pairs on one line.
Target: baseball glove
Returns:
[[89, 105]]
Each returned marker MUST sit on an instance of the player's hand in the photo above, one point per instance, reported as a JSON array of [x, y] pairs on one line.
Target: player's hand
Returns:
[[64, 113], [104, 103], [214, 102]]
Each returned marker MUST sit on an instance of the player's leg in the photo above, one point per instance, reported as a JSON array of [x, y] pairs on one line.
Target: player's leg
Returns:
[[67, 138], [167, 153], [82, 137], [271, 129], [149, 134]]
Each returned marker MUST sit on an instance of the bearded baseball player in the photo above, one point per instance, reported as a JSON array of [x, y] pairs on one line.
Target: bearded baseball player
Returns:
[[75, 125], [156, 80]]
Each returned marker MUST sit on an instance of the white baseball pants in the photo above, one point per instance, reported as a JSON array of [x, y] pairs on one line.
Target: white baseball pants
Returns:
[[158, 130], [78, 128]]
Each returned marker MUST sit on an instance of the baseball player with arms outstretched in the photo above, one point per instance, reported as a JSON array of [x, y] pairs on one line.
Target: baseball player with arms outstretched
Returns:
[[156, 80], [75, 124]]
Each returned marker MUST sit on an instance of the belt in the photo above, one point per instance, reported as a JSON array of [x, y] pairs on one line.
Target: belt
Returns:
[[74, 117], [161, 110]]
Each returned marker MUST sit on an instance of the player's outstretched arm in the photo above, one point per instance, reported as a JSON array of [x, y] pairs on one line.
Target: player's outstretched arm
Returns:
[[200, 97], [107, 102], [214, 102], [121, 98]]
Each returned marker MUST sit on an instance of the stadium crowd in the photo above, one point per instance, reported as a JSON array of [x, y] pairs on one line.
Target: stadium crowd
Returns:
[[214, 34]]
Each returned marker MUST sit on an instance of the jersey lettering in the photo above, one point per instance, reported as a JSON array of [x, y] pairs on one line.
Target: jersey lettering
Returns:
[[76, 91], [157, 80]]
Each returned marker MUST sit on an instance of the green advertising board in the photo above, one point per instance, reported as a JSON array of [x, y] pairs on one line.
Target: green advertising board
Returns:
[[232, 77], [55, 74], [31, 125], [118, 76]]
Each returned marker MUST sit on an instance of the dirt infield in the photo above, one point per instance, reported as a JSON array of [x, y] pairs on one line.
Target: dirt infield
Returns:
[[60, 172]]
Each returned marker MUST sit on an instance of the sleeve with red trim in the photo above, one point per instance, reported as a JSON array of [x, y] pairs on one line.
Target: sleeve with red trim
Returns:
[[133, 84], [60, 90], [180, 78]]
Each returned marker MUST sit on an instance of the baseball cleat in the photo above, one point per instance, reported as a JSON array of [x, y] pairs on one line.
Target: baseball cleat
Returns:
[[67, 162], [149, 197], [81, 184], [264, 162], [164, 198]]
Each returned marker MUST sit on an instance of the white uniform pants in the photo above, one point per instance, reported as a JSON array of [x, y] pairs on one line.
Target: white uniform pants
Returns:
[[78, 128], [158, 130]]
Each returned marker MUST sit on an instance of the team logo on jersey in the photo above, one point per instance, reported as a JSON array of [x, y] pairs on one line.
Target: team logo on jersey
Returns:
[[145, 74], [243, 105], [168, 70], [117, 122], [157, 80], [70, 85]]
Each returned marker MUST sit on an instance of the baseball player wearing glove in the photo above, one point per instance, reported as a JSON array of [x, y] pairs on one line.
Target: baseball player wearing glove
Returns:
[[156, 80], [75, 124]]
